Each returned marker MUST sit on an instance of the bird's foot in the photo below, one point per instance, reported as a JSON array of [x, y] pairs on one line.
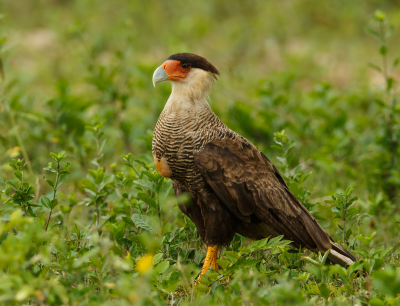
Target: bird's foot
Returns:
[[210, 261]]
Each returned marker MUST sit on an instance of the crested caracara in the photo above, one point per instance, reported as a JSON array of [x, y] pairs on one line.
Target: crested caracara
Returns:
[[234, 188]]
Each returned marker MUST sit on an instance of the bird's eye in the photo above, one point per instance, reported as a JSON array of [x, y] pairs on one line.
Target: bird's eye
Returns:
[[185, 65]]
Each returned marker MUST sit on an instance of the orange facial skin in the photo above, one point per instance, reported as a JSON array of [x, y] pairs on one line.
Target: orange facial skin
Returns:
[[174, 70]]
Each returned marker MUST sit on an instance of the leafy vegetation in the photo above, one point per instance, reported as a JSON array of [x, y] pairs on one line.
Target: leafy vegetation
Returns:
[[87, 220]]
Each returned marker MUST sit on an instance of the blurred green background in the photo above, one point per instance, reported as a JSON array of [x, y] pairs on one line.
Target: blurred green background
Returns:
[[302, 66], [294, 65]]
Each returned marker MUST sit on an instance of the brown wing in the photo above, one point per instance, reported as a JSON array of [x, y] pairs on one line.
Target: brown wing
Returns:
[[248, 183]]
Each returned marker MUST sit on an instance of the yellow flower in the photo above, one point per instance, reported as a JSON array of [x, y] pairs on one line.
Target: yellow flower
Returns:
[[144, 263], [13, 152]]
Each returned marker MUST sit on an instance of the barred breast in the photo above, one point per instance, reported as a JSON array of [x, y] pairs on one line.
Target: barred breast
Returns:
[[173, 143]]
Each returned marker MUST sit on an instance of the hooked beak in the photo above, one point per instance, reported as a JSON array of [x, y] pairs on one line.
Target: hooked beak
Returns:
[[159, 76]]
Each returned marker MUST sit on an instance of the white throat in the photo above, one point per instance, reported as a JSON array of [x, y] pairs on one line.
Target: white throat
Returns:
[[191, 92]]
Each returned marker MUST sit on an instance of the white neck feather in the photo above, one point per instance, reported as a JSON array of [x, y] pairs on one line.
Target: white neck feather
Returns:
[[191, 93]]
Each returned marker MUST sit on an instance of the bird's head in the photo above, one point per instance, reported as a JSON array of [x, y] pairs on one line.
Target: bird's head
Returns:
[[188, 72]]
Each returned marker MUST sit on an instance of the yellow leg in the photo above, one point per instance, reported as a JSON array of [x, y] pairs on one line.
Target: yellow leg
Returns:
[[211, 259]]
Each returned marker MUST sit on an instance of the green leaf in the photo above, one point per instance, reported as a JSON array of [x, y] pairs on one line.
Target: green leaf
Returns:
[[102, 145], [54, 156], [99, 175], [3, 237], [127, 157], [157, 258], [143, 222], [101, 124], [255, 245], [354, 267], [223, 263], [13, 166], [278, 148], [7, 191], [31, 211], [383, 50], [376, 302], [385, 252], [275, 241], [49, 169], [146, 199], [198, 257], [348, 233], [250, 263], [352, 211], [396, 62], [313, 269], [66, 166], [52, 224], [374, 34], [145, 184], [289, 157], [11, 184], [88, 184], [50, 183], [165, 190], [375, 67], [339, 270], [294, 188], [53, 203], [45, 201], [389, 32], [389, 83], [128, 220], [140, 163], [61, 179], [314, 262], [379, 102], [61, 156], [162, 267], [324, 290], [107, 179], [325, 257], [282, 159]]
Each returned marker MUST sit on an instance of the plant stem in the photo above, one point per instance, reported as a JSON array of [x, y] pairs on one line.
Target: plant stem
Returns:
[[54, 196], [344, 226], [159, 216], [24, 209], [56, 181], [48, 221], [19, 140], [13, 123], [37, 189], [384, 60], [98, 214], [392, 144]]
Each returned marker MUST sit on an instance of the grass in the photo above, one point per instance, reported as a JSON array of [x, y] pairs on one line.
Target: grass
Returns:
[[314, 85]]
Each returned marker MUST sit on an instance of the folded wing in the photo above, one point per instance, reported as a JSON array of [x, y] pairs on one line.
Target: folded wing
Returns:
[[249, 184]]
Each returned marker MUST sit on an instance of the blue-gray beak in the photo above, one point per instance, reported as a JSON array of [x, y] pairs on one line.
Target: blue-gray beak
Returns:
[[159, 76]]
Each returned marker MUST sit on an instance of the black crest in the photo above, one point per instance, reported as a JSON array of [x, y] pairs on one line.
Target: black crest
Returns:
[[195, 61]]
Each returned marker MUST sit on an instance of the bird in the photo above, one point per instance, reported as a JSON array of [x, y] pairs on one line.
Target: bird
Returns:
[[233, 186]]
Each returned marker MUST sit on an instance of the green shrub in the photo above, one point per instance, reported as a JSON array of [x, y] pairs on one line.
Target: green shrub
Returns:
[[97, 225]]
